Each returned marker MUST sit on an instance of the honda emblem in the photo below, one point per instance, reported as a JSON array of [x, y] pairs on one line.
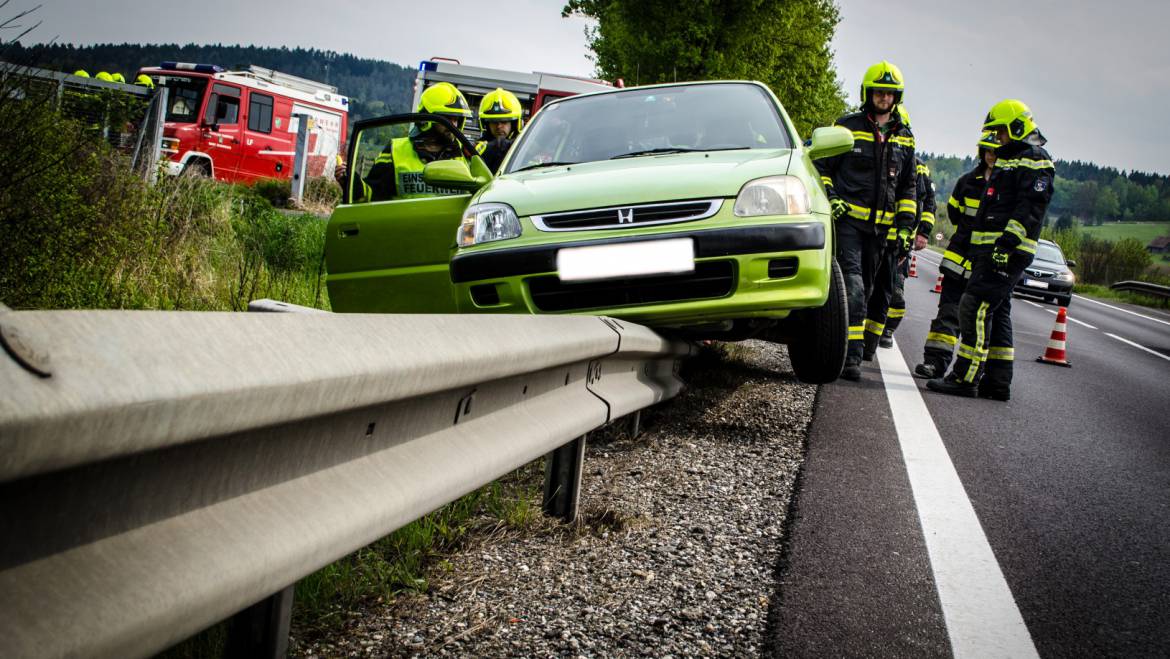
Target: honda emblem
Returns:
[[625, 216]]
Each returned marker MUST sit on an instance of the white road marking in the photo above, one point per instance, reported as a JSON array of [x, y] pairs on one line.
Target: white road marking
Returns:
[[1051, 311], [982, 617], [1080, 322], [1139, 346], [1038, 306], [1132, 313]]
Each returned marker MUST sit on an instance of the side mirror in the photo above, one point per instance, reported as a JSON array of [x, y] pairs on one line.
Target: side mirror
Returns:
[[1070, 263], [830, 141], [453, 174]]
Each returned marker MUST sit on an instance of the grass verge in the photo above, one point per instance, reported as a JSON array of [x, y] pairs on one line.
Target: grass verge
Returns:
[[1106, 293]]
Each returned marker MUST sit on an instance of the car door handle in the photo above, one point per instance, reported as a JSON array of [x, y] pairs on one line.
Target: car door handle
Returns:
[[348, 231]]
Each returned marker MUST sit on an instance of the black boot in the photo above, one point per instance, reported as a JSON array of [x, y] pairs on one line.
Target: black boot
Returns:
[[852, 371], [995, 393], [928, 371], [887, 340], [953, 386], [871, 343]]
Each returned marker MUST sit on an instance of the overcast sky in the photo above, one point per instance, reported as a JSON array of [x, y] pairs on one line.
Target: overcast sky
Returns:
[[1096, 75]]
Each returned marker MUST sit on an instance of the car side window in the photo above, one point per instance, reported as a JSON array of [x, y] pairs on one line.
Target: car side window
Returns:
[[260, 113]]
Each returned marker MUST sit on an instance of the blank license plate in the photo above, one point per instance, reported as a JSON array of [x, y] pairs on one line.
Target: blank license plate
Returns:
[[653, 257], [1035, 284]]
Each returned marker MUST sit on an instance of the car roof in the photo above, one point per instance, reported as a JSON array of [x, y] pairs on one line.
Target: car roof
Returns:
[[687, 83]]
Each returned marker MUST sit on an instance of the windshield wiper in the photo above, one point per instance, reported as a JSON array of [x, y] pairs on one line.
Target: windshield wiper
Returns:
[[542, 164], [649, 152]]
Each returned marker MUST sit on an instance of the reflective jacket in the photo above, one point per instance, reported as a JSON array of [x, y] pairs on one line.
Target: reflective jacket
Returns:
[[397, 173], [961, 210], [925, 201], [1013, 205], [877, 178]]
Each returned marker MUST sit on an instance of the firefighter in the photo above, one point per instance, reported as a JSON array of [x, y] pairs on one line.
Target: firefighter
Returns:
[[872, 192], [887, 305], [500, 121], [1003, 243], [955, 266], [397, 172]]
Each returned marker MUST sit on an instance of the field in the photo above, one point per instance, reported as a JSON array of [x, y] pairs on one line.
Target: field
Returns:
[[1143, 231]]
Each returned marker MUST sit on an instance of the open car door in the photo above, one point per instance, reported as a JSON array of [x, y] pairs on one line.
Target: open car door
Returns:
[[393, 255]]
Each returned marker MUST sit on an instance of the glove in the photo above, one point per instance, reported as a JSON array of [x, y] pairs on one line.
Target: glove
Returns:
[[1005, 246], [905, 241], [839, 207]]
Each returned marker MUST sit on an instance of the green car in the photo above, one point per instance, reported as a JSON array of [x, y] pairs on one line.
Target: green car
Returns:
[[691, 208]]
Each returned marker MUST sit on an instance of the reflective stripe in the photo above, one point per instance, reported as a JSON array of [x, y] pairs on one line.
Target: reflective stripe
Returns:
[[863, 135], [954, 268], [874, 327], [970, 212], [928, 217], [856, 332], [863, 213], [907, 206], [941, 339], [967, 352], [1027, 245], [1025, 162], [1015, 228], [895, 312], [985, 237], [923, 170], [828, 182], [970, 203], [1002, 353], [904, 141], [980, 342], [954, 202]]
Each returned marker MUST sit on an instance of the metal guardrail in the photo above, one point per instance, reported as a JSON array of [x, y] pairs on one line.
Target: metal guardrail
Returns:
[[162, 471], [1143, 287]]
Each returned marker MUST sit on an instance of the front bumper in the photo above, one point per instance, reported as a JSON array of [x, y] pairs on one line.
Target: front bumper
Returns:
[[1042, 287], [755, 271]]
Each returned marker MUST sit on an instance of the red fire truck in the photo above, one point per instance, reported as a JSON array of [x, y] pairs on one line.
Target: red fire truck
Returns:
[[241, 126], [532, 89]]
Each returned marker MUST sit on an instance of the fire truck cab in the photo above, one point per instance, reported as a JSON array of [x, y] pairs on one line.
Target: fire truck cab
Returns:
[[241, 126], [532, 89]]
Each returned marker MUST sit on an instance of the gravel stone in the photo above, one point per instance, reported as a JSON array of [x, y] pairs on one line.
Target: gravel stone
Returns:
[[674, 553]]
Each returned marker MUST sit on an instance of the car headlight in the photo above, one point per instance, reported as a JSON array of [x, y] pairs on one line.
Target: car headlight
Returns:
[[772, 195], [1065, 277], [484, 223]]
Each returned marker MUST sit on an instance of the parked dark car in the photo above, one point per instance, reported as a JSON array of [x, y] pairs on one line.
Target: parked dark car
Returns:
[[1049, 276]]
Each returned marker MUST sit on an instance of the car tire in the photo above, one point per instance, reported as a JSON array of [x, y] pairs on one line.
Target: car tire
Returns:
[[817, 349]]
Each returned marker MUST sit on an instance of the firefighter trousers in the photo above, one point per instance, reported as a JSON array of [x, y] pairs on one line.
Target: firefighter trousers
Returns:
[[944, 329], [985, 326], [859, 249], [898, 298], [877, 307]]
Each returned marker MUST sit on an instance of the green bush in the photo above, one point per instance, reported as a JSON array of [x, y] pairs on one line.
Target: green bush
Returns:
[[276, 191]]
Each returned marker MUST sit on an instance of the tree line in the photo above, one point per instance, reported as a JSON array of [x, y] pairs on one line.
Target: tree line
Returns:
[[1085, 192], [374, 87]]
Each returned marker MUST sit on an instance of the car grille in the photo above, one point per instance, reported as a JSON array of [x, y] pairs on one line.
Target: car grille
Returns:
[[618, 217], [710, 279], [1040, 274]]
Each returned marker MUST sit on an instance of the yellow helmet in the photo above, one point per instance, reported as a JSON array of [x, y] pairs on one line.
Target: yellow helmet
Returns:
[[144, 80], [1012, 115], [118, 77], [102, 75], [81, 73], [445, 99], [500, 105], [988, 140], [882, 75], [903, 115]]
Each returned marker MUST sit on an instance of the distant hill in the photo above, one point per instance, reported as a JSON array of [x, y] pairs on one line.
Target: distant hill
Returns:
[[375, 87], [1085, 191]]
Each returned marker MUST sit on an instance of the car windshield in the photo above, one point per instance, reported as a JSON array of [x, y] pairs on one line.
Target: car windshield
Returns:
[[1050, 253], [184, 98], [644, 122]]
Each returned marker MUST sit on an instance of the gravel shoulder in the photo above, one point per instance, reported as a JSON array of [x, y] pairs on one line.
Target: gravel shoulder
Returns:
[[675, 553]]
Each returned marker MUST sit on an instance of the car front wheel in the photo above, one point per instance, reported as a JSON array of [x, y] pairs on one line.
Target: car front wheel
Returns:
[[820, 336]]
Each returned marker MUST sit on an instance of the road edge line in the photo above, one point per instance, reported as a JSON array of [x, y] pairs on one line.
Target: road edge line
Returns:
[[981, 614]]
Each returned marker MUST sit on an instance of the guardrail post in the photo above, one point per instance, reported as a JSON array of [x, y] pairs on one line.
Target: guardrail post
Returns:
[[261, 630], [562, 480], [635, 424]]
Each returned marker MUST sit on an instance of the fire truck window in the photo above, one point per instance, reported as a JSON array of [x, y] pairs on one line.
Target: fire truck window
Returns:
[[184, 97], [260, 113], [227, 111]]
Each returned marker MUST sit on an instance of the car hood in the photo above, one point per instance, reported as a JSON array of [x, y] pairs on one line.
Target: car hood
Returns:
[[635, 180], [1047, 266]]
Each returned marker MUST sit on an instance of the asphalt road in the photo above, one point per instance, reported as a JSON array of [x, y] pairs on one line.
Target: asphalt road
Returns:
[[1067, 485]]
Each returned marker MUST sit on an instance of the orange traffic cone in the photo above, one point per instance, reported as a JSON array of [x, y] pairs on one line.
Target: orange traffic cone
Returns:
[[1054, 354], [913, 265], [938, 285]]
